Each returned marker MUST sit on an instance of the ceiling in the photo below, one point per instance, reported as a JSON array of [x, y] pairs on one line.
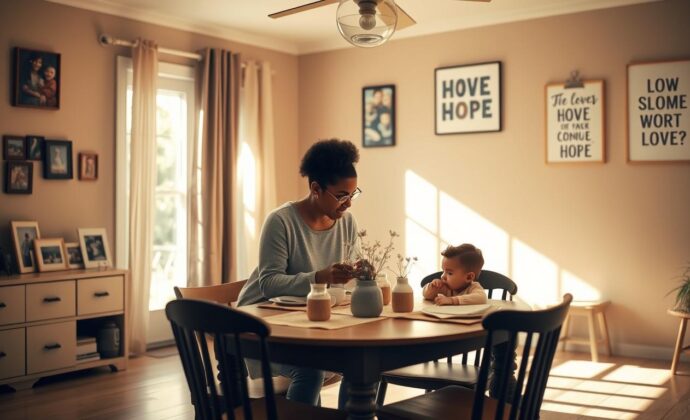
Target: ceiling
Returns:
[[315, 30]]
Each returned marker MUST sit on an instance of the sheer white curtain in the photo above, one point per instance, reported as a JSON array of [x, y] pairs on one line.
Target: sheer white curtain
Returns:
[[256, 186], [142, 187]]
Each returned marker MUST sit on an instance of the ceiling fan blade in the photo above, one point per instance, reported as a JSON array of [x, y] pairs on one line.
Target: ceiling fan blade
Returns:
[[404, 20], [302, 8]]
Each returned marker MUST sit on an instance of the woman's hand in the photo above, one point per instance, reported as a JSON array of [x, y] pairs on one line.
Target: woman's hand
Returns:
[[443, 300], [336, 273]]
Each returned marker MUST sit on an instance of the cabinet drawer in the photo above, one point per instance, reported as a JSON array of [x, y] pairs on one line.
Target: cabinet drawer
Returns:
[[50, 347], [11, 305], [50, 300], [12, 353], [100, 295]]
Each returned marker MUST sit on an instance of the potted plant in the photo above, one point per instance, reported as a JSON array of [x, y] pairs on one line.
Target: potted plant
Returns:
[[683, 292]]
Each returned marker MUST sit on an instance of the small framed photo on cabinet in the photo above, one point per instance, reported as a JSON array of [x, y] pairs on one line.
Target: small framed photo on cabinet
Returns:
[[50, 254]]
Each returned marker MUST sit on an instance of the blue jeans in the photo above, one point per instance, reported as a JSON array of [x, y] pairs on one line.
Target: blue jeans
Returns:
[[306, 383]]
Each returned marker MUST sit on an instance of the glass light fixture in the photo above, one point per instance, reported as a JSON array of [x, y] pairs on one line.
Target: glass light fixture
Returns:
[[366, 23]]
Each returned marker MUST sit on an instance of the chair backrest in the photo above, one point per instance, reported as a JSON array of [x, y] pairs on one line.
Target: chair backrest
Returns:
[[221, 293], [191, 321], [490, 280], [544, 327]]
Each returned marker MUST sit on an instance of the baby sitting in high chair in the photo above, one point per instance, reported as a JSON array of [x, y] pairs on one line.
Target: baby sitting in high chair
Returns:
[[457, 286]]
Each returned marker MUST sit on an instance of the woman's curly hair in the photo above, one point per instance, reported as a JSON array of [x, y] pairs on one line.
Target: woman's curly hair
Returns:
[[328, 161]]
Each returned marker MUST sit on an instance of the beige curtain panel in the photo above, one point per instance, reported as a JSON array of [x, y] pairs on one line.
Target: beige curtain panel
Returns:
[[142, 186], [211, 228]]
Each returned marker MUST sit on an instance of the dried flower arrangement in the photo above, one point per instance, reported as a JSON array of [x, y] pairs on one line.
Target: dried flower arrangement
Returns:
[[403, 266], [371, 257]]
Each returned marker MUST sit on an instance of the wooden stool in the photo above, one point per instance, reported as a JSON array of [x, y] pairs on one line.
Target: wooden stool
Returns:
[[681, 336], [589, 310]]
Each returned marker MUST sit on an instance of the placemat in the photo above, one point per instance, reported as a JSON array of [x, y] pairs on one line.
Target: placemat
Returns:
[[271, 305], [299, 319], [416, 314]]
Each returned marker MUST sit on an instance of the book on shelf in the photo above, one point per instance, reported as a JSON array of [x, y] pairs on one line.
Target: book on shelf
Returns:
[[88, 357], [83, 339], [86, 348]]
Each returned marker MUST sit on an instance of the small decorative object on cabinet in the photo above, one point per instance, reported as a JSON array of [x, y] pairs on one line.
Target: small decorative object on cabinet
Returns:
[[42, 314]]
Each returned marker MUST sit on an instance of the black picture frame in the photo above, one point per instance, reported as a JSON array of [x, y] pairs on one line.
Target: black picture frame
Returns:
[[19, 177], [34, 147], [33, 86], [378, 116], [483, 83], [13, 147], [57, 159]]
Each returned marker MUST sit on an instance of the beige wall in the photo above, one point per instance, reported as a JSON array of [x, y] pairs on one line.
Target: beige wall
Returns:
[[87, 110], [621, 228]]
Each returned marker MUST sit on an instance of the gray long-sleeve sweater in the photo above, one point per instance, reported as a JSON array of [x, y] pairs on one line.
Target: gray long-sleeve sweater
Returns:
[[291, 253]]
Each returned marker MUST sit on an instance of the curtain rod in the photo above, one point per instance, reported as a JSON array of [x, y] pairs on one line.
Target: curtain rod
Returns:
[[109, 40]]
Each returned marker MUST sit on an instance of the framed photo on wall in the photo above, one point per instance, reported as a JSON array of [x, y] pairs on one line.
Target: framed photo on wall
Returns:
[[57, 159], [94, 247], [13, 148], [659, 111], [88, 166], [575, 123], [19, 177], [378, 116], [34, 147], [24, 233], [50, 254], [36, 79], [468, 98]]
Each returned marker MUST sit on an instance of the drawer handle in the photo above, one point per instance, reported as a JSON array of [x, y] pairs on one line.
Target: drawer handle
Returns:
[[53, 346], [2, 305], [2, 354], [101, 294], [52, 299]]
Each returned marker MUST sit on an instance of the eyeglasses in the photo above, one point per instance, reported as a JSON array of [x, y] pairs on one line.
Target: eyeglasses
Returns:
[[344, 198]]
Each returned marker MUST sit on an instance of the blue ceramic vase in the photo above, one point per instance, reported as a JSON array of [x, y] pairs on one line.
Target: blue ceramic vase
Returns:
[[367, 300]]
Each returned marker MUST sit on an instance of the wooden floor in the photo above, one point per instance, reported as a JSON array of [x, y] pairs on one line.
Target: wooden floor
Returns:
[[155, 388]]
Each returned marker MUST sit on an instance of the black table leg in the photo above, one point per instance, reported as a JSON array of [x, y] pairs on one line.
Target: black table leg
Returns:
[[498, 367]]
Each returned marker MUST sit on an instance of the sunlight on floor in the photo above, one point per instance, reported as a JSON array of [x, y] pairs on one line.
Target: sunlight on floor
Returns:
[[604, 390]]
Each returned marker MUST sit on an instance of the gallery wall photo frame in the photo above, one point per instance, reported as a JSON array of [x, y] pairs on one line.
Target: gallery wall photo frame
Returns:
[[57, 159], [88, 166], [378, 116], [34, 147], [658, 117], [468, 98], [36, 79], [94, 247], [575, 122], [24, 233], [50, 254], [13, 147], [19, 177]]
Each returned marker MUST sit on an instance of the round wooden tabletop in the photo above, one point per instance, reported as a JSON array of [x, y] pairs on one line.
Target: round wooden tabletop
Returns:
[[389, 331]]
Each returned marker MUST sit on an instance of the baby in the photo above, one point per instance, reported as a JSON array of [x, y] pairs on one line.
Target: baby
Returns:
[[457, 286], [49, 89]]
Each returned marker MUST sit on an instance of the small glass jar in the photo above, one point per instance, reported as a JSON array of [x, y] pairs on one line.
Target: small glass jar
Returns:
[[318, 303], [403, 296], [385, 286]]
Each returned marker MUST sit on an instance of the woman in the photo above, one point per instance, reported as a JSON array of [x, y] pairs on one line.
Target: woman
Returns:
[[304, 242]]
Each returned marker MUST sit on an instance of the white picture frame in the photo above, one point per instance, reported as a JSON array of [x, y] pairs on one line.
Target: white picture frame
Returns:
[[468, 98], [94, 247], [659, 111], [575, 122], [50, 254], [23, 235], [74, 255]]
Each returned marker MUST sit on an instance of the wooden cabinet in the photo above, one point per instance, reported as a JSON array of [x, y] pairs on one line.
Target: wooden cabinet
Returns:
[[41, 315]]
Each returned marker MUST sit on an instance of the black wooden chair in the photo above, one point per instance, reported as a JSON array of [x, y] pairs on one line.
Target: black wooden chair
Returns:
[[434, 375], [522, 401], [191, 321]]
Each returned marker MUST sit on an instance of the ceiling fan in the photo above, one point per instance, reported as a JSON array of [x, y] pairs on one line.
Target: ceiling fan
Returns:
[[363, 23]]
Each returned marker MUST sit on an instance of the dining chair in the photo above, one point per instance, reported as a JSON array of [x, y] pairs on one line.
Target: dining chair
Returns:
[[219, 293], [522, 401], [192, 321], [434, 375]]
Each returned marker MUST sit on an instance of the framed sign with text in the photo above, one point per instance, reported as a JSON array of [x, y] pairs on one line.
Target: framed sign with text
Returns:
[[575, 122], [468, 98], [658, 116]]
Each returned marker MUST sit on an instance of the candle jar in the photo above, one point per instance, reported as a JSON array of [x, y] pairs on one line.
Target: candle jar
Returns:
[[385, 287], [403, 296], [318, 303]]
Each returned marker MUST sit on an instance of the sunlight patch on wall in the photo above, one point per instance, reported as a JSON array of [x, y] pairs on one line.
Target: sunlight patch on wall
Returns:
[[421, 243], [580, 289], [460, 224], [421, 198], [535, 274]]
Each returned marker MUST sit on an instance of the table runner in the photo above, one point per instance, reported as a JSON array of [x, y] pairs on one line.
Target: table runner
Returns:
[[416, 314], [299, 319]]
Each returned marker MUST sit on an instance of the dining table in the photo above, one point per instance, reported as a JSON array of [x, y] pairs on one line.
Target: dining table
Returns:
[[361, 353]]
